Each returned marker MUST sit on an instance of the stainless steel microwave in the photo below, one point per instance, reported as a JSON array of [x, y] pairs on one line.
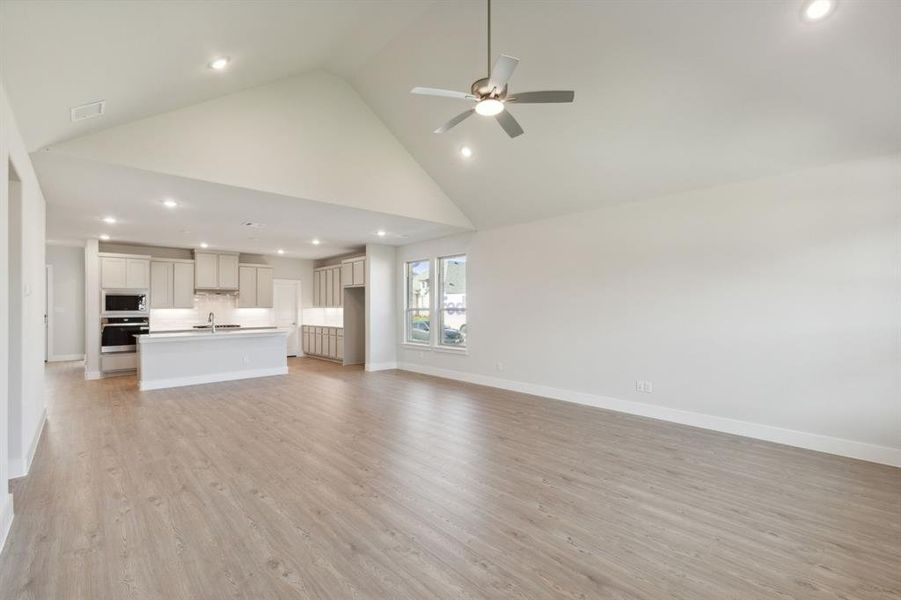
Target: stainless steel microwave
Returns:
[[124, 303]]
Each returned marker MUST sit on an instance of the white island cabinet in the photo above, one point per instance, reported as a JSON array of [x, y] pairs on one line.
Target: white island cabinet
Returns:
[[176, 359]]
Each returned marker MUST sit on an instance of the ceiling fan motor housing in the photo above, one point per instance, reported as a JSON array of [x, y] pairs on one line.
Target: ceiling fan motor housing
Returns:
[[481, 90]]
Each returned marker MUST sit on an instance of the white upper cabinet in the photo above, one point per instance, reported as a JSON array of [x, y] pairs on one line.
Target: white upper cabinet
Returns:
[[183, 285], [264, 287], [353, 272], [337, 289], [171, 284], [228, 271], [137, 273], [247, 287], [124, 272], [255, 286], [206, 270], [215, 271], [112, 272], [327, 289], [160, 284]]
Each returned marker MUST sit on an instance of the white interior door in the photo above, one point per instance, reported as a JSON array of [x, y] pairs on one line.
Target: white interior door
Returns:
[[287, 308]]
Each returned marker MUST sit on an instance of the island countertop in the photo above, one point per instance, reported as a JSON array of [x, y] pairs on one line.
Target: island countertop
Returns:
[[145, 338]]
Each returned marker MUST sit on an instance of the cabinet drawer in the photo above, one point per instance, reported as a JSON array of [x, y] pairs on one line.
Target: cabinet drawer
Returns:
[[118, 362]]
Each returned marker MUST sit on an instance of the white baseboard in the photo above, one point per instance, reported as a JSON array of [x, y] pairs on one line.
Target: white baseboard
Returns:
[[158, 384], [6, 518], [19, 467], [811, 441], [65, 357], [386, 366], [90, 375]]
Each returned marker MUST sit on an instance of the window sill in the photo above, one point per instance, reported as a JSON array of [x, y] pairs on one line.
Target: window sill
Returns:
[[448, 350], [430, 348]]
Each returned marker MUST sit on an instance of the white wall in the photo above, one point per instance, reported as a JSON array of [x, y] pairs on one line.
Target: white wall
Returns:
[[25, 428], [67, 311], [309, 136], [770, 308], [381, 304]]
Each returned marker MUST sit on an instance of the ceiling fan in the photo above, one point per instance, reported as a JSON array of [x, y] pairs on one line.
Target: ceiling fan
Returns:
[[491, 95]]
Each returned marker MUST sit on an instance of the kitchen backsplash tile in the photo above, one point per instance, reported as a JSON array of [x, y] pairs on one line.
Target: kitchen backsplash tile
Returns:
[[223, 306]]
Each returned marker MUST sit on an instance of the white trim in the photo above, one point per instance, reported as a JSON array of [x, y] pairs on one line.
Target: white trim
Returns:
[[19, 467], [811, 441], [158, 384], [48, 312], [385, 366], [6, 519], [91, 375], [65, 357]]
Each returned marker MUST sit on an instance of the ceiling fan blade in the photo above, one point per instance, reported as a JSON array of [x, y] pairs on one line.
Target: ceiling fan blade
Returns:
[[424, 91], [455, 121], [542, 97], [503, 69], [510, 125]]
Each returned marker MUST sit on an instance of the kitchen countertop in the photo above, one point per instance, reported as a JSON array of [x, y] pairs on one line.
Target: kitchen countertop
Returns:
[[205, 329], [207, 334]]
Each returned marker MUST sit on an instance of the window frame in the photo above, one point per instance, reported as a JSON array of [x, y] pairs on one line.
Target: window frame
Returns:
[[408, 310], [440, 307]]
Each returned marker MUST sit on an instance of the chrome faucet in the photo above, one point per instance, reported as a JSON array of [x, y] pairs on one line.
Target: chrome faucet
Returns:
[[211, 320]]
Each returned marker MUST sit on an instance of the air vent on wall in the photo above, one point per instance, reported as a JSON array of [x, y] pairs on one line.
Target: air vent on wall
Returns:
[[90, 110]]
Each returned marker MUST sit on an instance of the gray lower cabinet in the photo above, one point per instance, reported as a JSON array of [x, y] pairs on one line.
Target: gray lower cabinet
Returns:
[[323, 342]]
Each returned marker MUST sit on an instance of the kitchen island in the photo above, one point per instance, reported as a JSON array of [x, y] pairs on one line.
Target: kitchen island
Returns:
[[174, 359]]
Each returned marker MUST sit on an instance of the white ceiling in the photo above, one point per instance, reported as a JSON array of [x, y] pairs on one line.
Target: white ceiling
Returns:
[[86, 191], [145, 57], [670, 95]]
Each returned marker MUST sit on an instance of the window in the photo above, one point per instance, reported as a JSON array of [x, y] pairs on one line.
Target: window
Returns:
[[418, 302], [452, 301]]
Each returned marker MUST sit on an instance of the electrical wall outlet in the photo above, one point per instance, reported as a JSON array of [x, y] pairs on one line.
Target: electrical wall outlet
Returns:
[[246, 359], [499, 366], [644, 386]]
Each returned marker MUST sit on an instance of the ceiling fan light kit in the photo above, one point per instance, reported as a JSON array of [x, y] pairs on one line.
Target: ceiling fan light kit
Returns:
[[490, 94]]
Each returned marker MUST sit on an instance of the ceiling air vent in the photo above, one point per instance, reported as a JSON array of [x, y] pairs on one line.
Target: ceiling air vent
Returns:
[[90, 110]]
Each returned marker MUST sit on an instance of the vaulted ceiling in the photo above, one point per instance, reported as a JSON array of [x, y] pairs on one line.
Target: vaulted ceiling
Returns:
[[670, 96]]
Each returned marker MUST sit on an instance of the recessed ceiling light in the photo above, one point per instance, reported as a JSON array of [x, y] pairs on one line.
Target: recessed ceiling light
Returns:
[[817, 10], [489, 107], [170, 203], [220, 63], [104, 236], [466, 151], [110, 220], [381, 233], [280, 251], [316, 242], [204, 245]]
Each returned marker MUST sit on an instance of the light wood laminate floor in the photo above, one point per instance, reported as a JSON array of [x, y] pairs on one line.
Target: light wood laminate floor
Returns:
[[335, 483]]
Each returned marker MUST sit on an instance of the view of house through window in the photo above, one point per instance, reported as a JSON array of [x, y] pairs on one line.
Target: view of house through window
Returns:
[[452, 276], [418, 311]]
